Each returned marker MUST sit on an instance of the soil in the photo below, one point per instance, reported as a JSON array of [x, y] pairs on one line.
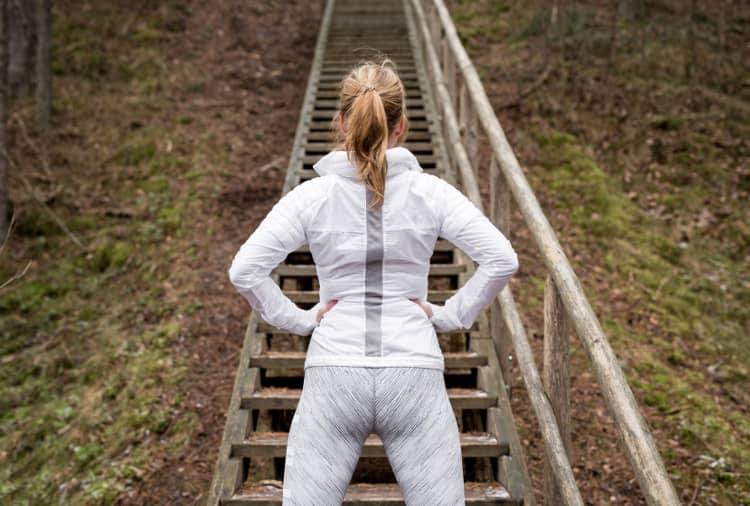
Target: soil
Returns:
[[255, 74], [255, 71]]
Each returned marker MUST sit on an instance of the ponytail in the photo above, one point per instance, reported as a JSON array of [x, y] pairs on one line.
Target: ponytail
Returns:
[[367, 139], [372, 102]]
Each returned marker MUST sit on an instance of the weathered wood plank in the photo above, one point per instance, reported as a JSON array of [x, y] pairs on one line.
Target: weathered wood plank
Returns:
[[555, 375], [287, 398], [370, 494], [308, 270], [634, 434], [273, 444], [296, 359]]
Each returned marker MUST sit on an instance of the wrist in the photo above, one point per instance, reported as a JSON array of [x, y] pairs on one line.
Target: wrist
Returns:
[[309, 319], [441, 319]]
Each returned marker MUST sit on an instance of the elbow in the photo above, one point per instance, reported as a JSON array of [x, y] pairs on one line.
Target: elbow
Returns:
[[505, 265], [513, 262], [240, 276], [234, 275]]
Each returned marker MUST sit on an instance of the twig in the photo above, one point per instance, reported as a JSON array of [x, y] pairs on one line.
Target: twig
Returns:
[[7, 235], [529, 89], [17, 275], [137, 12], [536, 84], [695, 493], [36, 197], [25, 133], [270, 165]]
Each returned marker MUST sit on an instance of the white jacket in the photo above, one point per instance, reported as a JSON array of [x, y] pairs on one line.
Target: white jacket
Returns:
[[373, 263]]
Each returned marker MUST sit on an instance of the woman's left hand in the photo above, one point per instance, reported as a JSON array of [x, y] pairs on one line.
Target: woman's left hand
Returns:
[[427, 309], [322, 311]]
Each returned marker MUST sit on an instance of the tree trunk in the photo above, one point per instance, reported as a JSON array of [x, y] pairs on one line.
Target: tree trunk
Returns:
[[3, 119], [632, 9], [690, 45], [43, 63], [21, 39], [612, 44]]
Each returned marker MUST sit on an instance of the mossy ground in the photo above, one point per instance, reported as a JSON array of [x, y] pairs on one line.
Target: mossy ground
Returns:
[[645, 178], [90, 384]]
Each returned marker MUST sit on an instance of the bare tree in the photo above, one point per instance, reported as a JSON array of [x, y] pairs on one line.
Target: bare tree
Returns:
[[690, 46], [3, 119], [43, 72], [632, 9], [612, 43], [21, 46]]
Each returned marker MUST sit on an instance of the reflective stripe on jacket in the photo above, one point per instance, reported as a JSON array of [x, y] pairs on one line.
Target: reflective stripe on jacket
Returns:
[[373, 261]]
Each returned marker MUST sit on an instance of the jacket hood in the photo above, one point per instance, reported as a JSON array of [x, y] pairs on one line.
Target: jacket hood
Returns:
[[399, 160]]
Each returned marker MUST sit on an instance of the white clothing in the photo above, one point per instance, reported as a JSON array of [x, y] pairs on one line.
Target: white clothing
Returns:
[[373, 261]]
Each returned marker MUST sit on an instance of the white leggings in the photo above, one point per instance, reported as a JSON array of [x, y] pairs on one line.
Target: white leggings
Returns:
[[408, 407]]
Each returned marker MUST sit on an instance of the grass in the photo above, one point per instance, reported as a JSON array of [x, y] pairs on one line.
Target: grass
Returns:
[[651, 180], [90, 384]]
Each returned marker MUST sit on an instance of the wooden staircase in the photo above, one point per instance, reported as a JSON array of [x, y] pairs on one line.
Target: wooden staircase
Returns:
[[269, 379], [453, 129]]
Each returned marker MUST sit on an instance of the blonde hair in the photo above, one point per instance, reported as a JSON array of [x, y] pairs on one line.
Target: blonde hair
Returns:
[[372, 100]]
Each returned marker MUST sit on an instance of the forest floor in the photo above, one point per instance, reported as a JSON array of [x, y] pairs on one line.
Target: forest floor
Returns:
[[643, 173], [172, 127]]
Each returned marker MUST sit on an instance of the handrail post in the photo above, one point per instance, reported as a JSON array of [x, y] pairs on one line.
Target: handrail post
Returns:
[[449, 70], [555, 376], [500, 216], [633, 430], [468, 125]]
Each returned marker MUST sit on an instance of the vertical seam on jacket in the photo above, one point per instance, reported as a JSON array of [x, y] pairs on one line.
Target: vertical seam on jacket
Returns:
[[373, 277]]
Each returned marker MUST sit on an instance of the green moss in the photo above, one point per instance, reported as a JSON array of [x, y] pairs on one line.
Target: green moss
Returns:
[[665, 122], [155, 184], [595, 202], [137, 151], [34, 223], [31, 296], [110, 255]]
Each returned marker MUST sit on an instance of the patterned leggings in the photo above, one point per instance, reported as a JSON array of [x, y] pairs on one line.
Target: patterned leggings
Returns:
[[408, 407]]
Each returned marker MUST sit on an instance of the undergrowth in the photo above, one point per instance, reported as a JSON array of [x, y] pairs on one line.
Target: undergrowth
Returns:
[[642, 148]]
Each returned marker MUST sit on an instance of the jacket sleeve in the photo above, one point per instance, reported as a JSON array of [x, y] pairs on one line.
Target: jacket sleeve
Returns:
[[464, 224], [278, 234]]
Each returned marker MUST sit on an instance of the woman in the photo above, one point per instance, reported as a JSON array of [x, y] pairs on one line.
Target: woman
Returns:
[[374, 363]]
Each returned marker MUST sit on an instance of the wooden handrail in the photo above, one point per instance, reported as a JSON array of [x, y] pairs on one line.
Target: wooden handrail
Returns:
[[635, 435], [553, 443]]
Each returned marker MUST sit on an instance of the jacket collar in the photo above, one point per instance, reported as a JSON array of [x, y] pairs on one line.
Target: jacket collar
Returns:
[[399, 160]]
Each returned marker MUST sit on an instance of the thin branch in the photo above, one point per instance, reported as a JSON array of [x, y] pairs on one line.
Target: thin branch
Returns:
[[41, 202], [25, 133], [7, 235], [272, 164], [16, 276]]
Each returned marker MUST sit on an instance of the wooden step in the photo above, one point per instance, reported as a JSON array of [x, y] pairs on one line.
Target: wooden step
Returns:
[[273, 444], [332, 103], [326, 136], [265, 328], [287, 398], [440, 245], [414, 94], [292, 359], [409, 84], [314, 295], [328, 114], [323, 148], [325, 125], [369, 494], [308, 270], [331, 67], [422, 159]]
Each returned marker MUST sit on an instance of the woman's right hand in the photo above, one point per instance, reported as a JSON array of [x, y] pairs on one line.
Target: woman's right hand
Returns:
[[326, 308]]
